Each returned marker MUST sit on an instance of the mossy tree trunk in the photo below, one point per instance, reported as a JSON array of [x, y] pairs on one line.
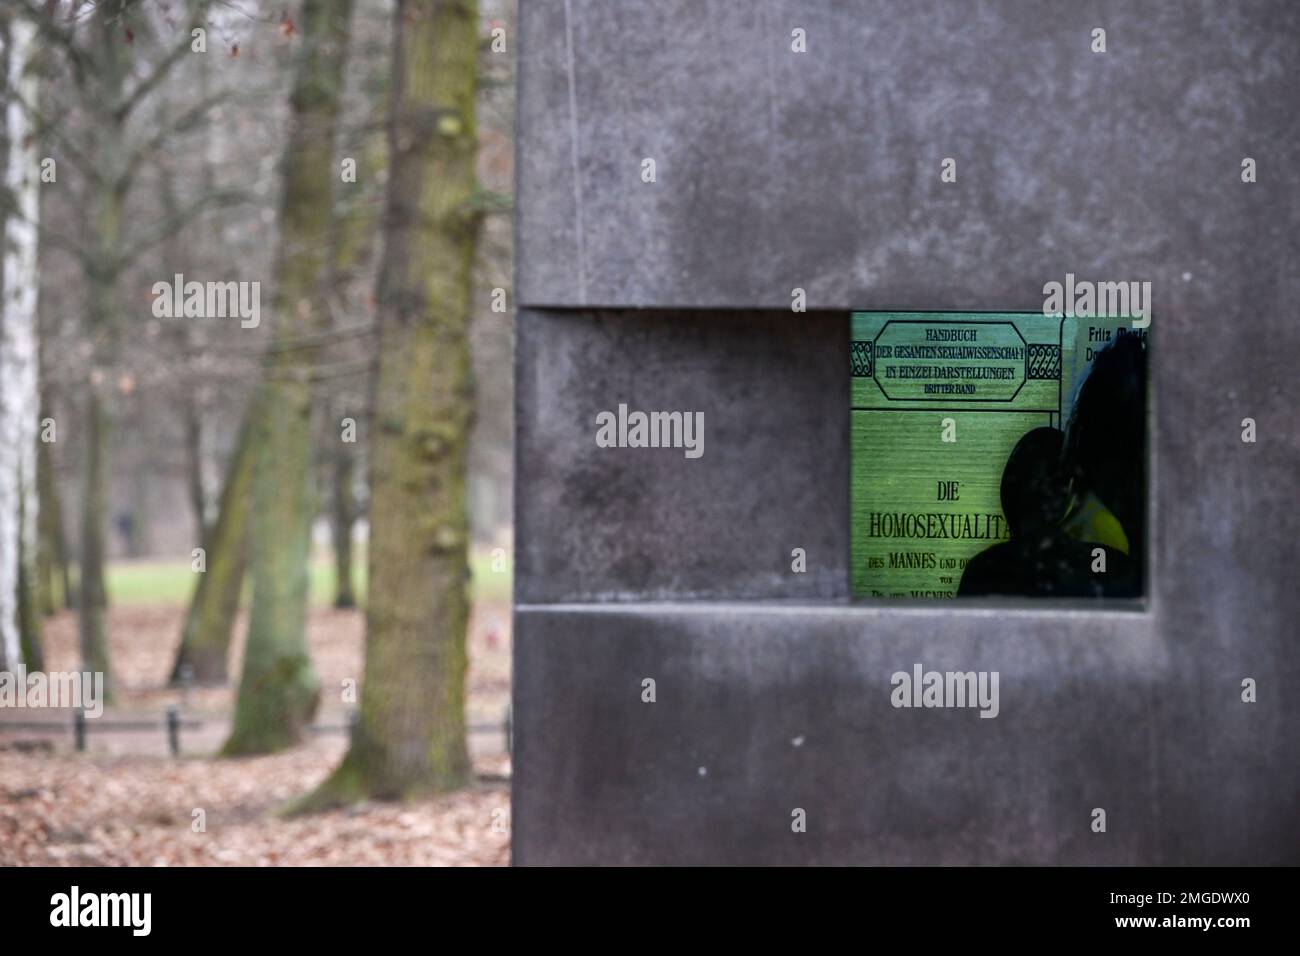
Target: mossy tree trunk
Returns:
[[343, 516], [210, 623], [410, 737], [279, 690]]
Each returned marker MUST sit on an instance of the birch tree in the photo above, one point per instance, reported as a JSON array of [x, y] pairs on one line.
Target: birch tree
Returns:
[[19, 391]]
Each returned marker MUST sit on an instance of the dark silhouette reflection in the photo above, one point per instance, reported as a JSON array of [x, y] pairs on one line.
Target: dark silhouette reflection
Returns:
[[1105, 449], [1048, 473]]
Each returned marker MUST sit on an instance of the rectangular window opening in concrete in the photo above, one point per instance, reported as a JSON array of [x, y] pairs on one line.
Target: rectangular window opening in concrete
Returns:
[[998, 455]]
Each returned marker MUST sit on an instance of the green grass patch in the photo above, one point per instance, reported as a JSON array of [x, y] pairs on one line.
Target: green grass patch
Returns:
[[172, 582]]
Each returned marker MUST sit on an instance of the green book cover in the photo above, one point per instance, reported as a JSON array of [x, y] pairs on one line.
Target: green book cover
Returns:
[[939, 401]]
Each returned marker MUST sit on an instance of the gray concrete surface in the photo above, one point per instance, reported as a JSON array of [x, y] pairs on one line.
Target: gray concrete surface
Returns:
[[822, 171], [627, 523]]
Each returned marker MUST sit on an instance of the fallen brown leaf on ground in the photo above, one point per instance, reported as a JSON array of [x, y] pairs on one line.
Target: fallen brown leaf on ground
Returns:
[[125, 802], [88, 810]]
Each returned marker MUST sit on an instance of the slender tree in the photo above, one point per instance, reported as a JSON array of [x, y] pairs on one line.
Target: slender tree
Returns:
[[343, 515], [279, 690], [355, 236], [209, 628], [117, 54], [54, 579], [410, 736], [194, 466], [210, 623], [19, 389]]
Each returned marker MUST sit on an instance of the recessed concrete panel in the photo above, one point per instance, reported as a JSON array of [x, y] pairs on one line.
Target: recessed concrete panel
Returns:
[[759, 712], [597, 523]]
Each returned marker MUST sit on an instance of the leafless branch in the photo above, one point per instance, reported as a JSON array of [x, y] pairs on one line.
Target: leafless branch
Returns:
[[48, 126], [163, 67], [177, 221], [182, 124], [59, 36]]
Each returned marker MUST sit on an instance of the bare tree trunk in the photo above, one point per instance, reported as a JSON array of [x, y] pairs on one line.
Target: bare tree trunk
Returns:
[[279, 689], [194, 464], [411, 733], [355, 235], [176, 255], [19, 374], [101, 65], [210, 624], [53, 581], [92, 599], [10, 652], [102, 323], [92, 592], [29, 615], [140, 533], [344, 514]]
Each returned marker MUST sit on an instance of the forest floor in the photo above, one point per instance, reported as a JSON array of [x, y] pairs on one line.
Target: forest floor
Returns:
[[126, 801]]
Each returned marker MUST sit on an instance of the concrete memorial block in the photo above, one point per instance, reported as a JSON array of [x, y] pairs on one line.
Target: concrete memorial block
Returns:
[[997, 454], [774, 171]]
